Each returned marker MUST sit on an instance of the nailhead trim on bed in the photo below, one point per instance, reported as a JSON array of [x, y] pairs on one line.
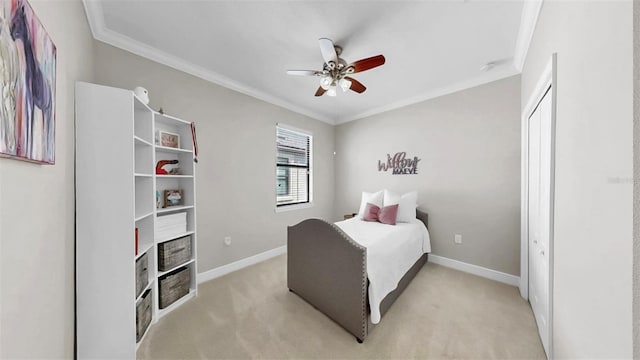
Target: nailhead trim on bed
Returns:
[[364, 276]]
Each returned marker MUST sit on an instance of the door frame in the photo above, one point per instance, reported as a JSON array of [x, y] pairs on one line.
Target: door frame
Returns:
[[547, 81]]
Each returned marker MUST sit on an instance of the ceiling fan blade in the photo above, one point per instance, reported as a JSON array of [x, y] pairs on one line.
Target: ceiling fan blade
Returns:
[[320, 91], [356, 85], [328, 50], [303, 72], [368, 63]]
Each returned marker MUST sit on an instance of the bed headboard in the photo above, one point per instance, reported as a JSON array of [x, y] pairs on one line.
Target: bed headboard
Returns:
[[423, 216]]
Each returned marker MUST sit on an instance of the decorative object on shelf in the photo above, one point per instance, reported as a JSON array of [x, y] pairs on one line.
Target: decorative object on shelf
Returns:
[[161, 112], [195, 142], [142, 94], [170, 226], [136, 241], [173, 253], [157, 199], [163, 163], [174, 285], [142, 273], [28, 81], [168, 139], [143, 315], [172, 198], [399, 164]]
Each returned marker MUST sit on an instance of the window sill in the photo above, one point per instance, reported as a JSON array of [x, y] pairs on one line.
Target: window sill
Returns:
[[286, 208]]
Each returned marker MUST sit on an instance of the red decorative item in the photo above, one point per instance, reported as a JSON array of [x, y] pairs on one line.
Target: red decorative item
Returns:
[[161, 163], [136, 241]]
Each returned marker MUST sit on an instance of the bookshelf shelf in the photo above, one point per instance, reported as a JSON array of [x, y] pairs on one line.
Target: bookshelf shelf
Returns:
[[149, 286], [143, 216], [171, 150], [160, 177], [139, 141], [161, 240], [143, 249], [161, 273], [192, 293], [174, 209]]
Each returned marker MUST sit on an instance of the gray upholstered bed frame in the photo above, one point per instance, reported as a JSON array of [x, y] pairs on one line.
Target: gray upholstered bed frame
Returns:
[[328, 269]]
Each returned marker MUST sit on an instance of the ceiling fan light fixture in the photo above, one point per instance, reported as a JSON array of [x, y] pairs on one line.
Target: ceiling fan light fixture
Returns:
[[335, 70], [344, 84], [332, 90], [325, 82]]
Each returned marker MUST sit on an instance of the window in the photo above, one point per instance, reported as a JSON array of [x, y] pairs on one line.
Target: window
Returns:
[[293, 167]]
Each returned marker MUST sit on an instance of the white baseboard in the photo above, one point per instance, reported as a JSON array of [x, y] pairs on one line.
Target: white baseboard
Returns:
[[450, 263], [240, 264], [476, 270]]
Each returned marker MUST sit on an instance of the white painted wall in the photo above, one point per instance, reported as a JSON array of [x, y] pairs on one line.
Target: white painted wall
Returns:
[[636, 176], [593, 209], [468, 176], [236, 161], [37, 211]]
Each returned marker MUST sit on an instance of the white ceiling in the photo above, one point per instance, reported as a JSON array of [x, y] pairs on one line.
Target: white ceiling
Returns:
[[431, 47]]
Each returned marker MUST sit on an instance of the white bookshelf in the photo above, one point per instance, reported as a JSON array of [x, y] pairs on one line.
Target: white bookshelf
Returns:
[[116, 184], [184, 181]]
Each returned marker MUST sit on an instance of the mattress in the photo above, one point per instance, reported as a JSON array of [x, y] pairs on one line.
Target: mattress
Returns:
[[391, 251]]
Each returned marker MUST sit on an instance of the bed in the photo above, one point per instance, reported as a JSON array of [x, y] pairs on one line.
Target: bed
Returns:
[[328, 269]]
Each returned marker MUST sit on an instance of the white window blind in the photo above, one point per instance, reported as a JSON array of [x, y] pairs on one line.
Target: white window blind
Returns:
[[293, 167]]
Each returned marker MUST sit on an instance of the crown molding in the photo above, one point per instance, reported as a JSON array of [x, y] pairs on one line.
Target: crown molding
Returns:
[[528, 20], [491, 76], [102, 33], [95, 16]]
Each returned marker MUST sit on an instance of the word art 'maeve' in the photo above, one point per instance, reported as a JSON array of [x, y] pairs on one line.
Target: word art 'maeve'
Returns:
[[399, 164]]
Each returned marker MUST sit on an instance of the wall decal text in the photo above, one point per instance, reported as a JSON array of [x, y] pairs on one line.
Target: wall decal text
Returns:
[[399, 164]]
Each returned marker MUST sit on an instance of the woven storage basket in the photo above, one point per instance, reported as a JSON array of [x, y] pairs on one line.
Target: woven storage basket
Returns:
[[174, 285], [142, 273], [143, 315], [173, 253]]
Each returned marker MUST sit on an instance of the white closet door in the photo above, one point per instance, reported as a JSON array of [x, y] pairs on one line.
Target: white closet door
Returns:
[[540, 214], [534, 210]]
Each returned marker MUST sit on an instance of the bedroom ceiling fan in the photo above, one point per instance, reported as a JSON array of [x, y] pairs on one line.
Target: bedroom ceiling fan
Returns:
[[335, 70]]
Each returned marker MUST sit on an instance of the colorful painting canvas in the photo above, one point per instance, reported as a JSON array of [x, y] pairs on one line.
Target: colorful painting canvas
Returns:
[[28, 84]]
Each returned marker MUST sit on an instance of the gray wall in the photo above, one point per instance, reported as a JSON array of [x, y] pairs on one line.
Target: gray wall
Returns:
[[37, 211], [236, 168], [593, 203], [469, 175], [636, 176]]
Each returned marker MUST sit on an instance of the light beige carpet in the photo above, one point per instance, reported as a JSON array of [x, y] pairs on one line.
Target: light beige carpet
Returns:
[[250, 313]]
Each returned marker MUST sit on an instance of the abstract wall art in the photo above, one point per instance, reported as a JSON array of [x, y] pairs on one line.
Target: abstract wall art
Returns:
[[27, 85]]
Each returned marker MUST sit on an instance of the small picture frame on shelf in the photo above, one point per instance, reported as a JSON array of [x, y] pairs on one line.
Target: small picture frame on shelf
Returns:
[[168, 139], [172, 198]]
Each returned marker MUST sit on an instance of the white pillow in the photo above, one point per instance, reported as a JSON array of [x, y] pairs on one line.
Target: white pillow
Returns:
[[373, 198], [407, 204]]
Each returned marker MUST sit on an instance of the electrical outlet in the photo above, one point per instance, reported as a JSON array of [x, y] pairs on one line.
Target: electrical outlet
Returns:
[[457, 239], [227, 240]]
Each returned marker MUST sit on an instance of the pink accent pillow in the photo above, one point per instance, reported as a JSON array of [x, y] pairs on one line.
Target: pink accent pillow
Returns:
[[388, 214], [371, 212]]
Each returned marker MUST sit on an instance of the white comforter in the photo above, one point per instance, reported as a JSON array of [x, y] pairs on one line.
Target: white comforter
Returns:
[[391, 251]]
